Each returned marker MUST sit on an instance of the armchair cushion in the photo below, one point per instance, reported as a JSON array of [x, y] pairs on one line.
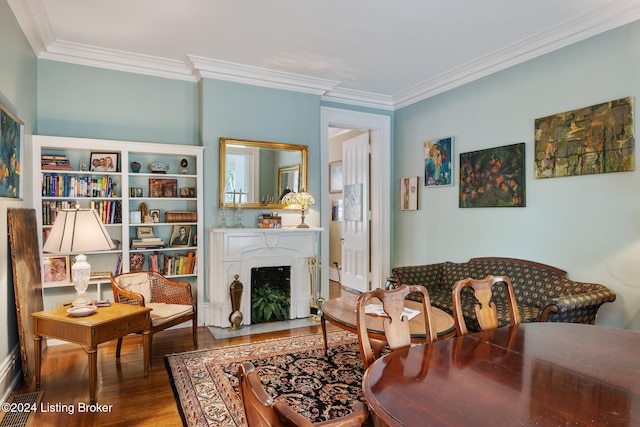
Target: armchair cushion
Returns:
[[162, 312], [138, 283]]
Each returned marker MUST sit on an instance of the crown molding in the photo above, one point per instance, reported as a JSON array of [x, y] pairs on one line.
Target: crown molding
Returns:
[[117, 60], [33, 20], [608, 17], [359, 98], [239, 73]]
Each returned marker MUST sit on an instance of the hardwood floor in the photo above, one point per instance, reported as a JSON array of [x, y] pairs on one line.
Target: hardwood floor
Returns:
[[124, 396]]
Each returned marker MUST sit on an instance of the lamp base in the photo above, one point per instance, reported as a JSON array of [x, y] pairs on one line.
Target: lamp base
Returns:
[[81, 300], [302, 224]]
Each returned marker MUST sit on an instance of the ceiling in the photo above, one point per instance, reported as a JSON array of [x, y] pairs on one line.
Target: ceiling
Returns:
[[377, 53]]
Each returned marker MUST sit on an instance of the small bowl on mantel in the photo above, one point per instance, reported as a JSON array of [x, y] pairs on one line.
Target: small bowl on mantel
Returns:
[[158, 167]]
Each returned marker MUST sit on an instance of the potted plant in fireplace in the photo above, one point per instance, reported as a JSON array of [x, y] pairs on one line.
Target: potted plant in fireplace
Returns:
[[270, 304]]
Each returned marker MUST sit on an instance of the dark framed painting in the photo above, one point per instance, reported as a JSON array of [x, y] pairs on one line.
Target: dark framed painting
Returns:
[[11, 153], [590, 140], [438, 164], [494, 177]]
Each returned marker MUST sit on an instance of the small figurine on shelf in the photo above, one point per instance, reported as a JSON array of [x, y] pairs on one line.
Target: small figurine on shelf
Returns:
[[184, 163]]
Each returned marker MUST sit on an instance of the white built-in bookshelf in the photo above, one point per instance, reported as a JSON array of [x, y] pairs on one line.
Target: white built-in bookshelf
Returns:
[[65, 176]]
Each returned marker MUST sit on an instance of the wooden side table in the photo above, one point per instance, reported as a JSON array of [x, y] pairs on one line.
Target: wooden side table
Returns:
[[105, 324]]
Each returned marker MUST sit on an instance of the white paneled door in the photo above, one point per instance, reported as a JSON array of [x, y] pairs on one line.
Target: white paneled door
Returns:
[[356, 213]]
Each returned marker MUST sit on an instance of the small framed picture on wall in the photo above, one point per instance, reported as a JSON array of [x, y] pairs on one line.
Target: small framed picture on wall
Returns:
[[409, 193]]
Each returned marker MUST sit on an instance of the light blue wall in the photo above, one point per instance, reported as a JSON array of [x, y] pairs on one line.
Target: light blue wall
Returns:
[[17, 93], [88, 102], [587, 225], [241, 111]]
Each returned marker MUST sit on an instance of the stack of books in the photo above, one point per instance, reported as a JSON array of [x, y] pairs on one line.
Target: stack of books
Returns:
[[55, 162], [147, 243]]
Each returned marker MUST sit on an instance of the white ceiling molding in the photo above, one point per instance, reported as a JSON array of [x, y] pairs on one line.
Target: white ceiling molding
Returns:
[[362, 99], [34, 22], [116, 60], [232, 72], [611, 16]]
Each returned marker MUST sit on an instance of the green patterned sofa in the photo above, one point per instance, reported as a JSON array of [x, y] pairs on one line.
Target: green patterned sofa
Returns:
[[544, 293]]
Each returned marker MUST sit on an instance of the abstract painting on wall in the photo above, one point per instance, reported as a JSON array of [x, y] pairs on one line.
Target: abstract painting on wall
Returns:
[[494, 177], [590, 140], [11, 148], [438, 167]]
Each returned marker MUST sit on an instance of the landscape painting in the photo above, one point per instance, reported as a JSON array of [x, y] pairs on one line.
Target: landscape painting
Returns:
[[590, 140]]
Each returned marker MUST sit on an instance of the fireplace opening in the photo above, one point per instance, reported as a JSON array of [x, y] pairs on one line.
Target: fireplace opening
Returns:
[[270, 294]]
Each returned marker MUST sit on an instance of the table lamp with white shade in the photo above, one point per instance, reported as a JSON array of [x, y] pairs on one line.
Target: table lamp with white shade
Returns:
[[78, 230]]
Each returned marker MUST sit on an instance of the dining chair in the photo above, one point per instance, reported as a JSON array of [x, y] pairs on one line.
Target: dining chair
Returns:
[[485, 308], [170, 300], [397, 330], [261, 410]]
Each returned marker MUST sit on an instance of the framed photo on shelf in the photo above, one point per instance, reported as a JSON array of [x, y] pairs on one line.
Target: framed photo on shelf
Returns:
[[103, 162], [155, 215], [142, 232], [181, 236], [136, 217], [187, 192], [335, 177], [409, 193], [11, 150], [57, 269], [163, 187]]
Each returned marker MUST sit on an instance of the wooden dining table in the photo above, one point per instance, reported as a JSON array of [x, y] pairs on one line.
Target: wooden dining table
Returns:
[[534, 374]]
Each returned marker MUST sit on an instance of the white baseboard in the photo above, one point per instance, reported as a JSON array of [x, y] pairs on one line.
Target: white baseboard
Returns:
[[334, 274], [10, 373]]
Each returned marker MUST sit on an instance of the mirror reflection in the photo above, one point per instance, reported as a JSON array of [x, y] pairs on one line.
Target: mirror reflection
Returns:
[[257, 174]]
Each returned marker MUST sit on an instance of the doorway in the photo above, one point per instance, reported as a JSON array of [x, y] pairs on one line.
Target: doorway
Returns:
[[337, 138], [379, 128]]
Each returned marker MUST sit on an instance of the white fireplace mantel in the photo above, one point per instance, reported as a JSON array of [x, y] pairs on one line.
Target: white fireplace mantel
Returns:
[[237, 250]]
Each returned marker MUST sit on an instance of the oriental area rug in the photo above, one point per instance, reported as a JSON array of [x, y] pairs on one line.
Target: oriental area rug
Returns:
[[293, 369]]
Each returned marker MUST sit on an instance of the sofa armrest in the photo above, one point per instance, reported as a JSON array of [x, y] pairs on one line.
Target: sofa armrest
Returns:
[[579, 308]]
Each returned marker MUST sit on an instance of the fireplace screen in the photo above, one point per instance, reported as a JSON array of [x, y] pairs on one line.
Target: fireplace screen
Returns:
[[270, 294]]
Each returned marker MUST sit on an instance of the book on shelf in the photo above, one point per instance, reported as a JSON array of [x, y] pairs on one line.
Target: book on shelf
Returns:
[[118, 265], [110, 211], [147, 243], [54, 162], [180, 264], [60, 185]]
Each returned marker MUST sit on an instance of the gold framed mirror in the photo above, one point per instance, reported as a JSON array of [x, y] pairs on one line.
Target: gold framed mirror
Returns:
[[257, 174]]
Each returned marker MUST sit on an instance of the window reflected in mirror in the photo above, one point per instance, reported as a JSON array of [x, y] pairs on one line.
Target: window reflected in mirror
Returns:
[[257, 174]]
